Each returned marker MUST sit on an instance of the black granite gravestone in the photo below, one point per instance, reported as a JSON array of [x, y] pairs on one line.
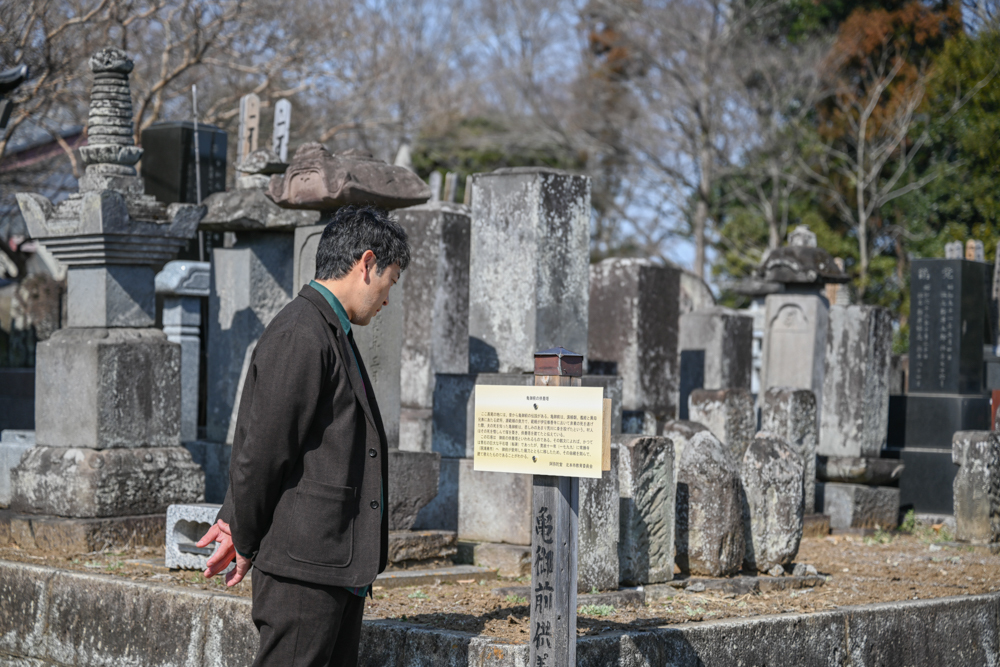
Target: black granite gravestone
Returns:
[[948, 310]]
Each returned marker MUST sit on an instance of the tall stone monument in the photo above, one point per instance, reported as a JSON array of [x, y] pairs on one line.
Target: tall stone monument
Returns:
[[108, 459], [948, 312], [634, 311], [435, 312], [796, 316]]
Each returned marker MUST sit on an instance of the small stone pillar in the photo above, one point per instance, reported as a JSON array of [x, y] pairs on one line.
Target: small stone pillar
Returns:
[[716, 352], [529, 259], [790, 414], [977, 486], [107, 409], [771, 473], [634, 311], [183, 284], [646, 520]]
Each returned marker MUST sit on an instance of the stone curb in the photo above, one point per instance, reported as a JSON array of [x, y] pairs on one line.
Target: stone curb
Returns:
[[57, 617]]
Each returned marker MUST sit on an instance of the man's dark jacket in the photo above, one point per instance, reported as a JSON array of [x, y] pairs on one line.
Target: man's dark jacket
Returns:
[[309, 469]]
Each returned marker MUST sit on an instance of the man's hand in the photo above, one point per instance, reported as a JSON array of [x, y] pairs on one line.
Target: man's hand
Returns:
[[224, 554]]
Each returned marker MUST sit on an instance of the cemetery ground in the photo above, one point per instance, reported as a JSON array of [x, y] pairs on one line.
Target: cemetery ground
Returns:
[[858, 569]]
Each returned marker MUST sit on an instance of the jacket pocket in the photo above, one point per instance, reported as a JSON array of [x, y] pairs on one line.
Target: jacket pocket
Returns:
[[322, 524]]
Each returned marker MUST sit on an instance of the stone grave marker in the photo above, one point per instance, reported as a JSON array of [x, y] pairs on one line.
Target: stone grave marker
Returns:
[[249, 129], [772, 475], [947, 319], [715, 352], [646, 520], [790, 414], [729, 414], [977, 486], [282, 129]]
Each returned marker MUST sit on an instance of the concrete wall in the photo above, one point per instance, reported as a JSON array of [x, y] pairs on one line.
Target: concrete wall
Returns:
[[55, 617]]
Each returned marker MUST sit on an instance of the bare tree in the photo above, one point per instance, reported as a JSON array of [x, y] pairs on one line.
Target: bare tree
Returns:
[[693, 127], [867, 163]]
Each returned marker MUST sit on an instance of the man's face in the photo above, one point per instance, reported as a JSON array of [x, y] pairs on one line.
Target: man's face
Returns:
[[376, 294]]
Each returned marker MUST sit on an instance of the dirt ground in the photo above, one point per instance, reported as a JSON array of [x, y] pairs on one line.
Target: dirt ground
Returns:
[[859, 570]]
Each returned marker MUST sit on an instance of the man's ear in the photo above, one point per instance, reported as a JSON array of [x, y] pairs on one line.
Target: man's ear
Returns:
[[368, 264]]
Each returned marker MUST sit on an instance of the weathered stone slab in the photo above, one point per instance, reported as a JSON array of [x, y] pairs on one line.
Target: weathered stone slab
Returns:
[[680, 432], [716, 351], [977, 486], [437, 282], [413, 482], [91, 483], [851, 470], [529, 259], [509, 560], [598, 533], [80, 536], [13, 445], [790, 414], [633, 332], [728, 414], [772, 510], [421, 545], [647, 504], [857, 506], [105, 388], [493, 506], [855, 417], [251, 282], [709, 519], [794, 349], [250, 210], [186, 524]]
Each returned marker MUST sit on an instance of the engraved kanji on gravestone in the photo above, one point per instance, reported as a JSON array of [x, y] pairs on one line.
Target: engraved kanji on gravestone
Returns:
[[282, 129], [249, 126]]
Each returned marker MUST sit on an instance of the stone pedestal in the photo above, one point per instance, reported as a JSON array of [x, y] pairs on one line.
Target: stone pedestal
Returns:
[[855, 418], [435, 312], [795, 329], [634, 311], [790, 414], [728, 414], [716, 352], [183, 285], [857, 506], [977, 486], [599, 525], [528, 266]]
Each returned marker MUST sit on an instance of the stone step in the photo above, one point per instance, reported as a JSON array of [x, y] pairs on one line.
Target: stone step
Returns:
[[454, 574], [620, 598], [421, 545], [741, 585]]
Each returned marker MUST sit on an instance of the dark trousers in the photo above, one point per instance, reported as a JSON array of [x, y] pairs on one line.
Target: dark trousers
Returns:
[[305, 625]]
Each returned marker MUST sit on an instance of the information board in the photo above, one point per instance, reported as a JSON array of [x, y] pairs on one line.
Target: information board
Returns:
[[539, 430]]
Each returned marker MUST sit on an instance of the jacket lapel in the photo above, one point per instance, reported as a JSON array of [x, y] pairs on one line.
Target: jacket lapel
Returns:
[[357, 382]]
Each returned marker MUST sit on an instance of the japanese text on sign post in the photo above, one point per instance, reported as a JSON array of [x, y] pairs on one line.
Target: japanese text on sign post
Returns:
[[539, 430]]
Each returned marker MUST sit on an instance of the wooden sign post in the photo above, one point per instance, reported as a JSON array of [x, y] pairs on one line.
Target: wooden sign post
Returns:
[[556, 431]]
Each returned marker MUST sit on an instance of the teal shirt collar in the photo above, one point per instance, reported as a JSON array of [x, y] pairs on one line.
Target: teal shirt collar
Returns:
[[334, 302]]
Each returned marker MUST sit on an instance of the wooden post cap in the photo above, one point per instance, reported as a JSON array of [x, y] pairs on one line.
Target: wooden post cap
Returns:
[[558, 361]]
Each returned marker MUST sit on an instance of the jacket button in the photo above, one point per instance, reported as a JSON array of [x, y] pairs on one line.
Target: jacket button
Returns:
[[372, 453], [374, 504]]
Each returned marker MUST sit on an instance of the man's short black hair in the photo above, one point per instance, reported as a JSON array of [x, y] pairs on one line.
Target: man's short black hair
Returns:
[[353, 230]]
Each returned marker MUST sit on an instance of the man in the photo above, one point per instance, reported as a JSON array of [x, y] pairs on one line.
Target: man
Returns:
[[308, 473]]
